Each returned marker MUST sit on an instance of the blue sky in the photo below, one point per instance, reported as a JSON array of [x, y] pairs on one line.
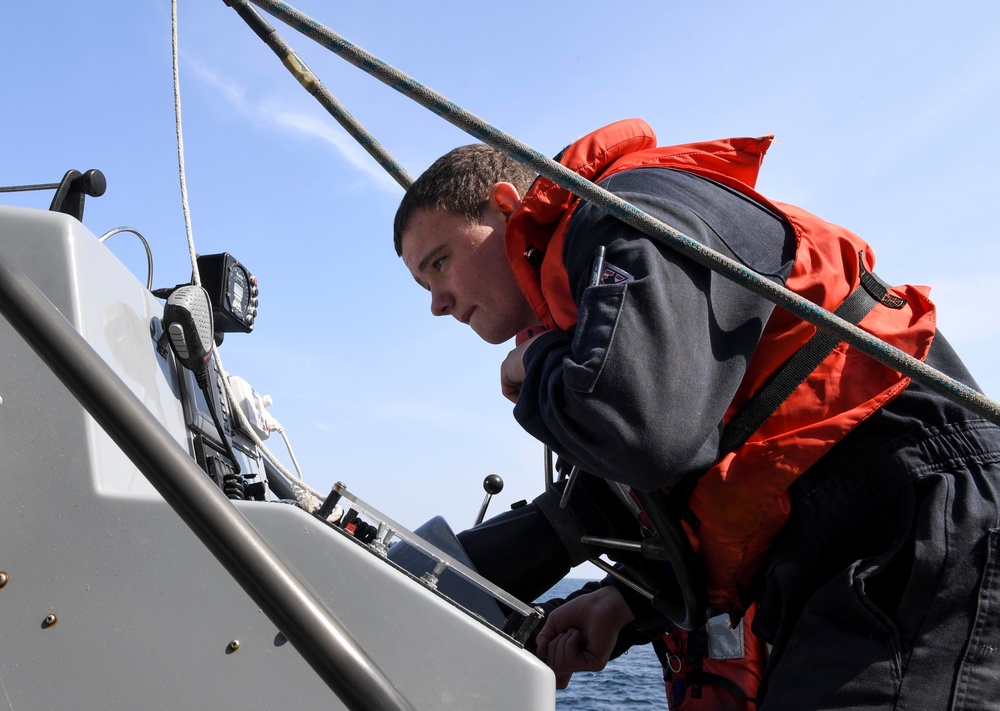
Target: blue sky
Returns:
[[884, 115]]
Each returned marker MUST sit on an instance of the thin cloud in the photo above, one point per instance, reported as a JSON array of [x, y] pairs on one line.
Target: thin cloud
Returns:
[[268, 114]]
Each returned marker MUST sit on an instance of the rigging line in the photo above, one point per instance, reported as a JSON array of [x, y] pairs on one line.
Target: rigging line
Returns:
[[311, 83], [803, 308], [178, 127], [306, 495]]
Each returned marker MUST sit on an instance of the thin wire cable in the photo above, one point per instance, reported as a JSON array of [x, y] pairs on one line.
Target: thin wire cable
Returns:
[[277, 427], [308, 497], [149, 253], [25, 188], [631, 215]]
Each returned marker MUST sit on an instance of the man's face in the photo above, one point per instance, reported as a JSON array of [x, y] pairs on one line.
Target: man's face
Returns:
[[465, 267]]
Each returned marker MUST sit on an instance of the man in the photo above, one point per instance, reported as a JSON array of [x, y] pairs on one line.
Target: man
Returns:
[[853, 511]]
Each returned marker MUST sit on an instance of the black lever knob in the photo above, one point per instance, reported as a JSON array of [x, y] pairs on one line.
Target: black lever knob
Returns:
[[492, 484]]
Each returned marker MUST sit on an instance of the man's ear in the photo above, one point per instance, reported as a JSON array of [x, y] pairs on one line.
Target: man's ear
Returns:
[[506, 198]]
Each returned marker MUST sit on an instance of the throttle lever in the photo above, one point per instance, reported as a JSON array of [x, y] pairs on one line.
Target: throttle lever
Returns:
[[493, 484]]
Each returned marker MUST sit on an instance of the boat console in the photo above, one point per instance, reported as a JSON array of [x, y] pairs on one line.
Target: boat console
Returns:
[[109, 598]]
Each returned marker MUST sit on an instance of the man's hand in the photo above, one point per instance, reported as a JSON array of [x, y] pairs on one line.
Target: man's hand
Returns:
[[580, 635], [512, 369]]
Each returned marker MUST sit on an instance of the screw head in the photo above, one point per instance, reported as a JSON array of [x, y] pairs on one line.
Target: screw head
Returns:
[[50, 619], [4, 578], [234, 645]]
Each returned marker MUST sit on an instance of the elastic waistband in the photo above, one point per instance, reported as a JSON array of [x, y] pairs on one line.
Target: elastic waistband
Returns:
[[848, 473]]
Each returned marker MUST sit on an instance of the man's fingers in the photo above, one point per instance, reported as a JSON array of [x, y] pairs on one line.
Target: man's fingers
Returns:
[[541, 645], [562, 652], [512, 373]]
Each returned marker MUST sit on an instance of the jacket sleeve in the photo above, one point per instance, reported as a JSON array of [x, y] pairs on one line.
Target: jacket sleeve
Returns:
[[637, 390]]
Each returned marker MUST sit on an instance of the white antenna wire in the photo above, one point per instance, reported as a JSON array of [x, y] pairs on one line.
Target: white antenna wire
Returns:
[[308, 497], [180, 143]]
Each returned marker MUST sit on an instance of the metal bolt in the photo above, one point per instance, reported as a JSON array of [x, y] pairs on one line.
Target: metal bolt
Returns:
[[234, 645], [431, 578], [50, 619], [4, 578]]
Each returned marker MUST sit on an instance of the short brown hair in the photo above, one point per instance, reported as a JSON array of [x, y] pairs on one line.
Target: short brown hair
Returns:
[[460, 181]]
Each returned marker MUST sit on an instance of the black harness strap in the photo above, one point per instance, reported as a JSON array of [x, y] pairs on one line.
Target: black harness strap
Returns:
[[795, 370], [682, 597]]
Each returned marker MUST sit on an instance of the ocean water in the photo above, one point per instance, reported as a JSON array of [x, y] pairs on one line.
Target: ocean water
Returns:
[[632, 681]]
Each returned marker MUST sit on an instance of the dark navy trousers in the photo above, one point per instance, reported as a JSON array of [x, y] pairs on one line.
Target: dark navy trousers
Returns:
[[883, 590]]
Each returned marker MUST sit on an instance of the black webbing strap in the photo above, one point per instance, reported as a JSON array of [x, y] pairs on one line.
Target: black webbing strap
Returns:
[[795, 370]]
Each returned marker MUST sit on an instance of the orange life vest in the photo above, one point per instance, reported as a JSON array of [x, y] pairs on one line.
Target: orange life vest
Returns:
[[742, 501], [700, 678]]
